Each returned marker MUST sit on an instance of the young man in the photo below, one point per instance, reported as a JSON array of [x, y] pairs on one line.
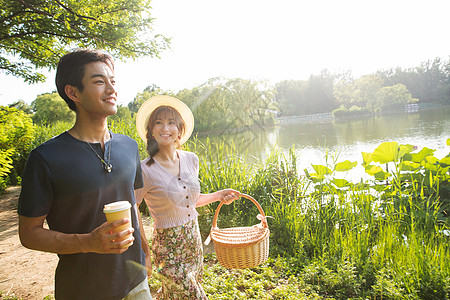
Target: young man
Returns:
[[68, 180]]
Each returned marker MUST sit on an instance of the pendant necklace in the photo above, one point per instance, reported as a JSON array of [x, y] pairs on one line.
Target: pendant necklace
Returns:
[[106, 165]]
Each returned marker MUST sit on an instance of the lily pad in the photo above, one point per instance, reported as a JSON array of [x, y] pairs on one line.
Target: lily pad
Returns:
[[386, 152]]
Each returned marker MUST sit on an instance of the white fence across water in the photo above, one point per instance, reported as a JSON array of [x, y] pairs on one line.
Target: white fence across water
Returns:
[[305, 119]]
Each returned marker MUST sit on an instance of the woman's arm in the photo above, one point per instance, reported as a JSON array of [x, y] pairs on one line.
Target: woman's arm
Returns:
[[226, 195]]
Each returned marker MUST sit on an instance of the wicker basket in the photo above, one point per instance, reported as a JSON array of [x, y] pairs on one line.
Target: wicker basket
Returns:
[[241, 247]]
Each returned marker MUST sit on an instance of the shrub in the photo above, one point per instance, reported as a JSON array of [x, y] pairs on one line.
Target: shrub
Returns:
[[16, 138]]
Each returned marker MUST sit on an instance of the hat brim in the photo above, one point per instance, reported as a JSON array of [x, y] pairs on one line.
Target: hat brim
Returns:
[[153, 103]]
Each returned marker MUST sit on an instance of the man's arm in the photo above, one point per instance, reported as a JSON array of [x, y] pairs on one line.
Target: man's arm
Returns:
[[34, 236]]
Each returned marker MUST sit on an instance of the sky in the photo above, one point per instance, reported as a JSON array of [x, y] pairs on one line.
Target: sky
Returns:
[[273, 40]]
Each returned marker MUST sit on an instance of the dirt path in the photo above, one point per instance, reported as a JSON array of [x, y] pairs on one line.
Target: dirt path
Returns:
[[24, 273]]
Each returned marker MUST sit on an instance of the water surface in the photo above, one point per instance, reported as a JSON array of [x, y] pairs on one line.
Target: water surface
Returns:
[[345, 140]]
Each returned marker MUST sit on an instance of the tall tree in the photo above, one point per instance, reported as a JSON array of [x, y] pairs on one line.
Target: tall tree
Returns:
[[50, 108], [344, 92], [150, 91], [291, 97], [320, 93], [395, 96], [429, 82], [35, 33], [367, 88], [23, 106]]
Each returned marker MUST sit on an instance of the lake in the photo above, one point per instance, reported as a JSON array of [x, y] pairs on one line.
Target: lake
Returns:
[[346, 139]]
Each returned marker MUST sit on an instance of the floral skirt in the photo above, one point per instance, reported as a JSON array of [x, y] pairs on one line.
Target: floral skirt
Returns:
[[178, 257]]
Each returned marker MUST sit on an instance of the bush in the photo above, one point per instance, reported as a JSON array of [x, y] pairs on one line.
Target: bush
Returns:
[[16, 139]]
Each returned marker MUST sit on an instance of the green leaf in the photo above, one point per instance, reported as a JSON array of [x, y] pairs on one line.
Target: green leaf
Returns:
[[445, 161], [322, 170], [421, 156], [431, 160], [367, 158], [409, 166], [431, 167], [386, 152], [315, 177], [372, 169], [345, 166], [382, 175], [341, 182], [405, 149]]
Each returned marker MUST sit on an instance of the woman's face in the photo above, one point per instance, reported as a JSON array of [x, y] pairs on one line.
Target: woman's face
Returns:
[[165, 131]]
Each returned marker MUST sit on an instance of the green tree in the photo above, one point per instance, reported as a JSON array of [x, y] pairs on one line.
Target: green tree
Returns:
[[16, 135], [344, 92], [429, 82], [123, 114], [315, 95], [147, 93], [320, 93], [49, 108], [22, 106], [366, 93], [255, 98], [291, 97], [211, 105], [35, 33], [221, 104], [395, 96]]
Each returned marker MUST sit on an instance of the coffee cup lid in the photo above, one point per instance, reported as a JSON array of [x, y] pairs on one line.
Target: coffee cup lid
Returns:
[[116, 206]]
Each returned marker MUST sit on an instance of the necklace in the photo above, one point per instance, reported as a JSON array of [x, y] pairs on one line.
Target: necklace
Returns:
[[106, 165]]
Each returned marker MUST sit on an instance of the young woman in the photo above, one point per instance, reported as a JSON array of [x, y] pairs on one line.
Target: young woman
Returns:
[[172, 192]]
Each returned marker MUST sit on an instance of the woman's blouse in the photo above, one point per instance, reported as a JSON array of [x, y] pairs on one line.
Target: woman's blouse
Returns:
[[171, 199]]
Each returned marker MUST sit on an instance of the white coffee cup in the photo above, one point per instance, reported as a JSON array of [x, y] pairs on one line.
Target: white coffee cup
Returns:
[[117, 211]]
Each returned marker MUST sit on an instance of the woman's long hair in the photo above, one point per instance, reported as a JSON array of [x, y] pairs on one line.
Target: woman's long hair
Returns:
[[162, 112]]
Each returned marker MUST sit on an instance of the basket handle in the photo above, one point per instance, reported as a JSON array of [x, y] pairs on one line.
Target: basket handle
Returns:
[[263, 221]]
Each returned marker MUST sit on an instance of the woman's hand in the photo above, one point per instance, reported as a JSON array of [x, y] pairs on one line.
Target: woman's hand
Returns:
[[227, 196]]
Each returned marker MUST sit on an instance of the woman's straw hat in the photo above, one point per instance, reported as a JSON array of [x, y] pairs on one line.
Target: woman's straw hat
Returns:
[[153, 103]]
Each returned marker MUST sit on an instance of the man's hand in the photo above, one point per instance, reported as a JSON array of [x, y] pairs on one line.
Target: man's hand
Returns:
[[104, 240]]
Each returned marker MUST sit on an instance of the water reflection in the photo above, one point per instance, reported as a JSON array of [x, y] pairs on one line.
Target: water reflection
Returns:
[[346, 139]]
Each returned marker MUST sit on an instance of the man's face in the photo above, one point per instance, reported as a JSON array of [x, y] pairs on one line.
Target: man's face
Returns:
[[99, 95]]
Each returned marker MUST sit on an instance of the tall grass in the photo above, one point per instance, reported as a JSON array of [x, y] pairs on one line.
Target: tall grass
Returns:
[[392, 247]]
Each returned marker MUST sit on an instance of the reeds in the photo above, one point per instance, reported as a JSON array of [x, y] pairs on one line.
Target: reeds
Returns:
[[396, 245]]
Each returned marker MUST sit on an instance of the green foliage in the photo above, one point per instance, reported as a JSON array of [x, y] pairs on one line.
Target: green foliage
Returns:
[[223, 105], [36, 34], [396, 96], [428, 82], [342, 112], [5, 166], [257, 283], [315, 95], [46, 132], [16, 137], [21, 105], [50, 108], [123, 115], [346, 240], [416, 178], [149, 91]]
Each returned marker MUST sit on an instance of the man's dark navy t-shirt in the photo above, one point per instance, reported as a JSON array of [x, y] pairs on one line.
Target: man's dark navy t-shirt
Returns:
[[65, 180]]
